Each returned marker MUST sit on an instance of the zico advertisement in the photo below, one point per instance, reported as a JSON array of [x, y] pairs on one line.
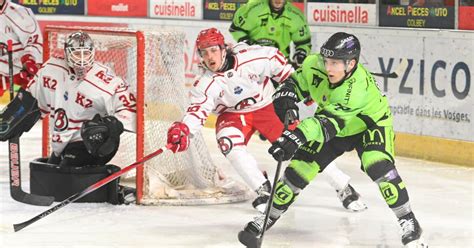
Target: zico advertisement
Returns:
[[466, 17], [176, 9], [133, 8], [339, 13], [56, 7], [416, 17], [221, 10]]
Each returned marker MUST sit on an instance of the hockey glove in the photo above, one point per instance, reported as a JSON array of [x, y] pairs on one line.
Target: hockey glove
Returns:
[[101, 135], [19, 116], [287, 144], [30, 68], [178, 137], [299, 57], [285, 100]]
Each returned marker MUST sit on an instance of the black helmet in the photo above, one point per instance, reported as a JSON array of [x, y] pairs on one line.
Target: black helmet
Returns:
[[341, 46]]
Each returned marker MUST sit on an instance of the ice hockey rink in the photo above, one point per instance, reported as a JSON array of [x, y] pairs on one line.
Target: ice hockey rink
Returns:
[[441, 196]]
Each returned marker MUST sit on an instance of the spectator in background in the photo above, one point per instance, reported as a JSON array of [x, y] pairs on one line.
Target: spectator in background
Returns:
[[19, 25], [274, 23]]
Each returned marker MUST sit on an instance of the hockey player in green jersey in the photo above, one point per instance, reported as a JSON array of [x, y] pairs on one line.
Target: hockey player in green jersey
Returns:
[[274, 23], [352, 114]]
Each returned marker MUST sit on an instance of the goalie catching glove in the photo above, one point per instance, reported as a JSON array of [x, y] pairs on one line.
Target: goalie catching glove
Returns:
[[101, 135], [19, 116], [178, 137]]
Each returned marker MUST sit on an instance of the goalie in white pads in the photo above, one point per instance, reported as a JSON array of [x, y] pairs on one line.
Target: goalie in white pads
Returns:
[[89, 107], [237, 86]]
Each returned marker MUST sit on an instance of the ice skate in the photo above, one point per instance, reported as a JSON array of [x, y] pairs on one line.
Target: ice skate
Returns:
[[351, 199], [260, 203], [411, 232]]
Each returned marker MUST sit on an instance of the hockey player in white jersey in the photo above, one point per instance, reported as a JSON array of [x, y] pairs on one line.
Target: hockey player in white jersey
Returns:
[[238, 86], [19, 24], [88, 104]]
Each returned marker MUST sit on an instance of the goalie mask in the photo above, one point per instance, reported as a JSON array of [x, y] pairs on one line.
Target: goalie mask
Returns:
[[79, 51]]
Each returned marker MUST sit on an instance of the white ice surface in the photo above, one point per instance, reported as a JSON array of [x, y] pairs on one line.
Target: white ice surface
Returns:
[[441, 196]]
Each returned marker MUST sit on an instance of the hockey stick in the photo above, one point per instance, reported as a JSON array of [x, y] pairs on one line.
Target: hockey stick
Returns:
[[246, 238], [14, 153], [397, 72], [90, 189]]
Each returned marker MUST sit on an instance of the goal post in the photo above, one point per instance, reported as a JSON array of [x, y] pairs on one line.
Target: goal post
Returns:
[[151, 62]]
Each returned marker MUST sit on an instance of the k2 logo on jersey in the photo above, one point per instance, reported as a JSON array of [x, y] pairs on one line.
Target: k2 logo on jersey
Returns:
[[83, 101], [49, 83], [104, 77], [61, 121]]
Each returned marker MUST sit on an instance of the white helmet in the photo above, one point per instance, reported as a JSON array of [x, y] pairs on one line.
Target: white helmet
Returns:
[[79, 51]]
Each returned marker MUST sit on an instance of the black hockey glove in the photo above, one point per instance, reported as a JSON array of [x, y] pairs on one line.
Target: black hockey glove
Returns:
[[284, 99], [299, 57], [287, 144], [19, 116], [101, 135]]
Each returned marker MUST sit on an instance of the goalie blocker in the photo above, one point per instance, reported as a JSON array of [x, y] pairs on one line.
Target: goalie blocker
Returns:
[[19, 116]]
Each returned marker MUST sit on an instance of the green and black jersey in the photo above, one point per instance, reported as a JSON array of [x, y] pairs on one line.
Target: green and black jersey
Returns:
[[257, 24], [346, 109]]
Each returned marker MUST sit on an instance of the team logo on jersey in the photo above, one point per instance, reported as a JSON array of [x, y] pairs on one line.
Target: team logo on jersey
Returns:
[[82, 100], [66, 96], [245, 103], [225, 144], [230, 74], [238, 90], [60, 120]]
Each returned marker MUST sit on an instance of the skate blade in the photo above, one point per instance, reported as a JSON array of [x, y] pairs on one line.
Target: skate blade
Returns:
[[356, 206], [249, 240], [419, 243]]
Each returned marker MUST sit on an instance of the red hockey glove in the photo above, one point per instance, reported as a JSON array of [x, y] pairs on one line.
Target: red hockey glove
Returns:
[[178, 137], [30, 68]]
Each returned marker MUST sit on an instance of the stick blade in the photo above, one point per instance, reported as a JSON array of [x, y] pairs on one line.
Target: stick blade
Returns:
[[19, 226], [249, 239], [38, 200]]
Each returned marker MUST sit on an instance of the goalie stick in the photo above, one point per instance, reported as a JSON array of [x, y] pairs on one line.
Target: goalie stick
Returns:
[[246, 238], [14, 151], [90, 189], [397, 72]]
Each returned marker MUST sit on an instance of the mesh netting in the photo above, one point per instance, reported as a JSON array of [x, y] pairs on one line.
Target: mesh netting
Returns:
[[174, 179]]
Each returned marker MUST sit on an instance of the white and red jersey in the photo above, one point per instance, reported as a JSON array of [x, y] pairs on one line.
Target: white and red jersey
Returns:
[[245, 88], [69, 101], [18, 23]]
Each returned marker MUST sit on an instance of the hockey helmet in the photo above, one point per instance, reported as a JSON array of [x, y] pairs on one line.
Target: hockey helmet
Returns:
[[210, 37], [79, 51], [341, 46]]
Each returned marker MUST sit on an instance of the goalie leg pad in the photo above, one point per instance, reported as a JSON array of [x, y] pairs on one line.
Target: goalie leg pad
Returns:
[[19, 116], [63, 181]]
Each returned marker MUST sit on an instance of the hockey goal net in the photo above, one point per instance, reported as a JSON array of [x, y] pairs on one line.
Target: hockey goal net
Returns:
[[152, 63]]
